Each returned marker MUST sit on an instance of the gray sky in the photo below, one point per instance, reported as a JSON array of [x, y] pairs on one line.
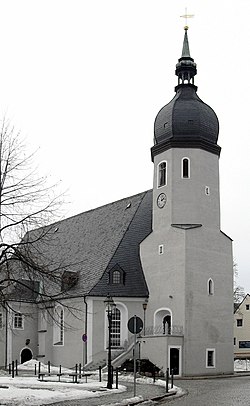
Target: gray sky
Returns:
[[84, 79]]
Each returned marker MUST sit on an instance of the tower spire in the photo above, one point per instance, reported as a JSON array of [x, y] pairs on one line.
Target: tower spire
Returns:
[[185, 67], [185, 48]]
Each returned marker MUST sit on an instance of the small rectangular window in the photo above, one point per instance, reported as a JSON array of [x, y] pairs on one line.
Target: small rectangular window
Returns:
[[244, 344], [239, 322], [18, 321], [234, 340], [210, 358], [185, 168], [161, 249], [247, 307]]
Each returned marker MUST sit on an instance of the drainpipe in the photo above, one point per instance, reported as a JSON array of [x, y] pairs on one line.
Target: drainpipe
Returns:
[[6, 336], [86, 331]]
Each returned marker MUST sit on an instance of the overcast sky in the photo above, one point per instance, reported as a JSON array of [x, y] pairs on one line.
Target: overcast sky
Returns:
[[84, 79]]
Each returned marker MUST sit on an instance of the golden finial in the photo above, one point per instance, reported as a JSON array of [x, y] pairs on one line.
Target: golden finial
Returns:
[[186, 16]]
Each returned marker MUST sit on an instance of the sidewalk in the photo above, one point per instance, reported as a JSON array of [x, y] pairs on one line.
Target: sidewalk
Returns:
[[144, 392]]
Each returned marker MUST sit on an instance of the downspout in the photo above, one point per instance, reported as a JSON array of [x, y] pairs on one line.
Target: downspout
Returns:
[[6, 336], [86, 332]]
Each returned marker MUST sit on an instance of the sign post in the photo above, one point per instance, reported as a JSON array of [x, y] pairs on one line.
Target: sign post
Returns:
[[135, 326], [84, 340]]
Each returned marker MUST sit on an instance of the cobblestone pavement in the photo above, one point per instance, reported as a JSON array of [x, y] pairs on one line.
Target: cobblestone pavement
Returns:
[[233, 391], [147, 391]]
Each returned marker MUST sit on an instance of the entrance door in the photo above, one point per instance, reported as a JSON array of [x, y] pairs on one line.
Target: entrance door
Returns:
[[175, 360], [26, 355]]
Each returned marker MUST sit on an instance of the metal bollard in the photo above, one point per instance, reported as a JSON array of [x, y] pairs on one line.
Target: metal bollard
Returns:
[[167, 379], [35, 369], [39, 368], [16, 368], [49, 367], [12, 369], [100, 374], [80, 371], [116, 378]]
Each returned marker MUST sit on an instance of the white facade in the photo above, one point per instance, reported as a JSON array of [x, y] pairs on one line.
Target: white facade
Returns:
[[192, 278], [242, 329]]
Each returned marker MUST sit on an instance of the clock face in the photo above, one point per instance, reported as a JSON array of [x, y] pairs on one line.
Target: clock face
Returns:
[[161, 200]]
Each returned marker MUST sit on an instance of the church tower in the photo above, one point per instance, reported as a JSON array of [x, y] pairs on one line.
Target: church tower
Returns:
[[187, 259]]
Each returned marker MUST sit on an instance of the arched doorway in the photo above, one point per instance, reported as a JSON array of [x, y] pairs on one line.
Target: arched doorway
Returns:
[[26, 355]]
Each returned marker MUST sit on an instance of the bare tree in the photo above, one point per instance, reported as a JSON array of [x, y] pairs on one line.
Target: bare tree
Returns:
[[239, 292], [27, 206]]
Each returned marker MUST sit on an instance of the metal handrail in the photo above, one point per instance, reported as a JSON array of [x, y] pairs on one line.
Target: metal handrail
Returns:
[[159, 330]]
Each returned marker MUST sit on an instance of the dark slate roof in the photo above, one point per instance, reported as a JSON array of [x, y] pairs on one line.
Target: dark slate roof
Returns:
[[92, 242], [127, 258], [187, 122]]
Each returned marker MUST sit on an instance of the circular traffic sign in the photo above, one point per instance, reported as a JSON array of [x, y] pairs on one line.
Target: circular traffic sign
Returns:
[[135, 325], [84, 338]]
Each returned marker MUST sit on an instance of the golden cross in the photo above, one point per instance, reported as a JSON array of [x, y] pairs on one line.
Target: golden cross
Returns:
[[186, 16]]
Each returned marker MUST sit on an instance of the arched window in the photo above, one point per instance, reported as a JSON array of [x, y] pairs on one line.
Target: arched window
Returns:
[[185, 168], [116, 277], [58, 328], [119, 329], [116, 328], [210, 286], [162, 174]]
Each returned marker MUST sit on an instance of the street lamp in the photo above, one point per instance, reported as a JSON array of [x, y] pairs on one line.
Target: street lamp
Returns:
[[144, 305], [110, 306]]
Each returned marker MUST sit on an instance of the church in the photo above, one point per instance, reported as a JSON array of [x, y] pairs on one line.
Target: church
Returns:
[[160, 255]]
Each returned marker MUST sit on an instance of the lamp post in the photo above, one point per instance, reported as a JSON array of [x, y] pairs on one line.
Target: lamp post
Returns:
[[110, 306], [144, 305]]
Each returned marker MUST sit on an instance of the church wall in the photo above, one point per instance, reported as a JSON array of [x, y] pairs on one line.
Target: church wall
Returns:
[[2, 337], [17, 337], [72, 350], [164, 274], [187, 201], [99, 324], [156, 348], [208, 316], [178, 278], [191, 204]]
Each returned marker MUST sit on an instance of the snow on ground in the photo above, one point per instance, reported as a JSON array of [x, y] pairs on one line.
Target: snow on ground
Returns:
[[28, 391]]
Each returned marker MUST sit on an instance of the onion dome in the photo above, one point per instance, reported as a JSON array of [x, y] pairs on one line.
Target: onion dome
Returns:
[[186, 122]]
